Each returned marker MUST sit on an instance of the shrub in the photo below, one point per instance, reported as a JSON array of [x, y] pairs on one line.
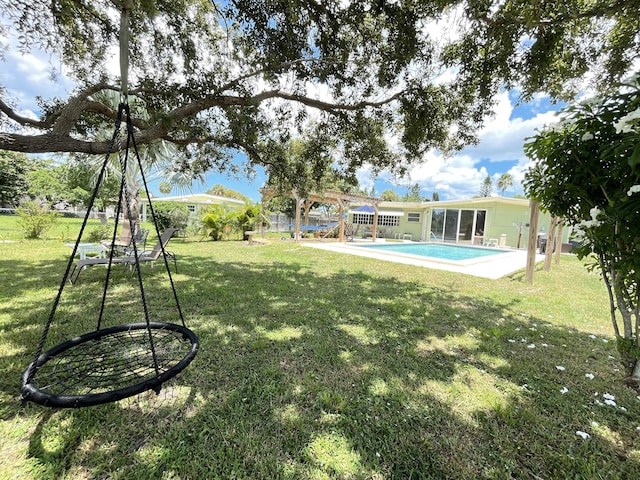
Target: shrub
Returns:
[[172, 215], [35, 219], [99, 233]]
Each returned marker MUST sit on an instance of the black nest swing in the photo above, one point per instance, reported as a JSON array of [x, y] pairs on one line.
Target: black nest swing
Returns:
[[117, 362]]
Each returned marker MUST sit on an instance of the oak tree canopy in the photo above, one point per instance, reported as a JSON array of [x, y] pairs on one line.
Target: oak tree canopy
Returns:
[[381, 81]]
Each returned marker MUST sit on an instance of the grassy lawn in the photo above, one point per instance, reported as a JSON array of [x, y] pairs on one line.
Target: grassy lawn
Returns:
[[317, 365]]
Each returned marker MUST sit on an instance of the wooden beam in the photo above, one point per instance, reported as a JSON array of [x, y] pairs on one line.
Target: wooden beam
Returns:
[[551, 244], [344, 207], [534, 208], [299, 202], [559, 241], [375, 223]]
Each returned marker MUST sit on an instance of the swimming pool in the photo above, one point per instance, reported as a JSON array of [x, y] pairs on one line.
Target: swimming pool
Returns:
[[486, 262], [437, 251]]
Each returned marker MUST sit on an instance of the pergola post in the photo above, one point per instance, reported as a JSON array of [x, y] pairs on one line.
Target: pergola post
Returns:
[[341, 209], [551, 244], [299, 202], [307, 207], [265, 196], [375, 223], [559, 241], [533, 237]]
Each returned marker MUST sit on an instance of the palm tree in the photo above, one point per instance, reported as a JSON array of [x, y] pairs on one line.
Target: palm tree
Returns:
[[504, 182], [160, 160]]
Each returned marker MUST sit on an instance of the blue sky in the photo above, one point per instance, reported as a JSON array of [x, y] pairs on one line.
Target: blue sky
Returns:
[[499, 151]]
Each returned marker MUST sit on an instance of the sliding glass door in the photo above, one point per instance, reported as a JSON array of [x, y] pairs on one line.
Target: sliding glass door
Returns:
[[458, 225]]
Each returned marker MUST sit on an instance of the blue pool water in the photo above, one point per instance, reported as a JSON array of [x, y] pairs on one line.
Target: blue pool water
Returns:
[[436, 250]]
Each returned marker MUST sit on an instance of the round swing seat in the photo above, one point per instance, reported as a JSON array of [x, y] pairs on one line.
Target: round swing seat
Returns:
[[108, 365]]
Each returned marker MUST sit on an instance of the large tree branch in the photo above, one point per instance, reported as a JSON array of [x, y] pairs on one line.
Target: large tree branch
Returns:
[[49, 142], [22, 120], [60, 139], [223, 101], [62, 120]]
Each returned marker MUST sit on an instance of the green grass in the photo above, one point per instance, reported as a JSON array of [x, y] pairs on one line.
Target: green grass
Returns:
[[319, 365]]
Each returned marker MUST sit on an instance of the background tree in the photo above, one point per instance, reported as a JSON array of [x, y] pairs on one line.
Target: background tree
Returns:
[[413, 195], [390, 196], [79, 179], [305, 165], [486, 188], [14, 177], [587, 171], [47, 182], [222, 191], [435, 197], [505, 182], [243, 75]]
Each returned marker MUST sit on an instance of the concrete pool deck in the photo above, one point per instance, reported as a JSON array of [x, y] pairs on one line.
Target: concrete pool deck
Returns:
[[492, 267]]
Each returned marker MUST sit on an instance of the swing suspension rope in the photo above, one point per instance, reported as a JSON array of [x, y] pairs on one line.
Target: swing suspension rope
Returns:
[[117, 362]]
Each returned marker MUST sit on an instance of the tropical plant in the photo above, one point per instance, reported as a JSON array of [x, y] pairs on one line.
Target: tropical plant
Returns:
[[248, 217], [159, 160], [218, 222], [587, 170], [505, 182]]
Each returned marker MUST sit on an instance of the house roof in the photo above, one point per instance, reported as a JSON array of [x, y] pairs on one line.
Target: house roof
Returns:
[[327, 196], [199, 198], [451, 203]]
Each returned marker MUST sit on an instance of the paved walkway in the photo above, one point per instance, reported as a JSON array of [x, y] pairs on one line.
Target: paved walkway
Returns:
[[486, 267]]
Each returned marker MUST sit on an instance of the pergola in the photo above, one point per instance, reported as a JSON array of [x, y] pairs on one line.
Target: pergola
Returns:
[[335, 197]]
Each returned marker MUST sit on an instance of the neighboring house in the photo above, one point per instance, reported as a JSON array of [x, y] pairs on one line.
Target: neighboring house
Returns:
[[196, 202], [495, 220]]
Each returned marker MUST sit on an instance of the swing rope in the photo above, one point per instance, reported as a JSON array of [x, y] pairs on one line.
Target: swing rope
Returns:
[[111, 363]]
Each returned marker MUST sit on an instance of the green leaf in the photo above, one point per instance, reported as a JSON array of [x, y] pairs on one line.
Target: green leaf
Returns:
[[634, 159]]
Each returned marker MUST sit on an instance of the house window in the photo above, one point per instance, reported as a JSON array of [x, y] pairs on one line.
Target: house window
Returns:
[[413, 217], [191, 208], [388, 221], [363, 219], [383, 220]]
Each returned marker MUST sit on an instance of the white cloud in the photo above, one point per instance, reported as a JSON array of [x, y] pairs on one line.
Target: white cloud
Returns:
[[26, 76], [500, 150], [503, 137]]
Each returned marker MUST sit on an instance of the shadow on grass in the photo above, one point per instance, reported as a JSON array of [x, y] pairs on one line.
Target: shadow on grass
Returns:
[[348, 374]]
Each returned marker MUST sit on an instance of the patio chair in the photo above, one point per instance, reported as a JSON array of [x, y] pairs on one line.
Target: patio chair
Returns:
[[143, 257], [141, 241], [125, 242]]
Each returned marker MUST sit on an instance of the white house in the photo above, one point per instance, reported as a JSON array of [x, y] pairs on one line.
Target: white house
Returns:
[[196, 202]]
